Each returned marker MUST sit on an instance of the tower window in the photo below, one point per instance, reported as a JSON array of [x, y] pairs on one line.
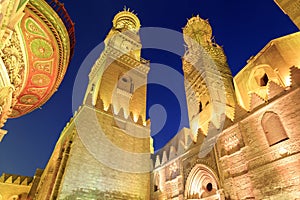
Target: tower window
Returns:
[[155, 188], [200, 107], [264, 80], [124, 80], [156, 182], [206, 104], [273, 128], [93, 87], [125, 83]]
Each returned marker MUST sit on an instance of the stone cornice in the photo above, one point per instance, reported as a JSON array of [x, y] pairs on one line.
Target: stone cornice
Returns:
[[141, 66]]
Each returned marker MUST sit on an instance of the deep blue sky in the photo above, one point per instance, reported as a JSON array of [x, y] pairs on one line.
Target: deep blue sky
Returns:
[[241, 27]]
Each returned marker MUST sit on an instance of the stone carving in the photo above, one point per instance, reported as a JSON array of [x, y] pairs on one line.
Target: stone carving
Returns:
[[7, 12], [230, 142], [12, 57], [5, 103]]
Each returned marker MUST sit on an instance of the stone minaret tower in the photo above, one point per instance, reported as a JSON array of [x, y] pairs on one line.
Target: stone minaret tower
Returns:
[[208, 82], [104, 152], [119, 76]]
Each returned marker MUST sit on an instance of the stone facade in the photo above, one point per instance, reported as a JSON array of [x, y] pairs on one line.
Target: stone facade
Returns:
[[256, 155], [13, 187], [243, 141], [108, 139]]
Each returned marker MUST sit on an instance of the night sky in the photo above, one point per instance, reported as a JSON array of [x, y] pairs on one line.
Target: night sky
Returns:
[[243, 28]]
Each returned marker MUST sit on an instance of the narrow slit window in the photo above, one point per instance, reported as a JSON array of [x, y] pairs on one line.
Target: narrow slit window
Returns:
[[200, 107]]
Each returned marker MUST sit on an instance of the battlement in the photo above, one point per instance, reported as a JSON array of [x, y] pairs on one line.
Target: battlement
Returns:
[[274, 90], [174, 148], [117, 112], [267, 75], [16, 179], [184, 139]]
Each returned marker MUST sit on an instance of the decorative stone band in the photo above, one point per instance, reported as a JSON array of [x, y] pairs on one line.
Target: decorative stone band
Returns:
[[141, 66]]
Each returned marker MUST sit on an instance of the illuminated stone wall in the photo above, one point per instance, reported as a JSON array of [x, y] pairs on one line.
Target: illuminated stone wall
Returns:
[[271, 64], [256, 156], [257, 153], [251, 166], [179, 173], [291, 8], [104, 151], [75, 172], [87, 172], [14, 187]]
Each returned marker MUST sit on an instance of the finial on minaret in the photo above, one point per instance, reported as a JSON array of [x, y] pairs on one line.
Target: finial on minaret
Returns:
[[126, 19], [126, 9]]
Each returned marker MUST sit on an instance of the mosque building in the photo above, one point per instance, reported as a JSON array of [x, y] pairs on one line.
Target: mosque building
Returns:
[[243, 141]]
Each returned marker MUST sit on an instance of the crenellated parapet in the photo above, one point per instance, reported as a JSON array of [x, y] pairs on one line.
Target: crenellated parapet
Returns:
[[16, 179], [117, 112], [175, 148], [274, 90], [14, 186], [266, 75]]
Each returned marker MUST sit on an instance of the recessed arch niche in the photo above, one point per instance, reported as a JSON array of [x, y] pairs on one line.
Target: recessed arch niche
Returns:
[[198, 179]]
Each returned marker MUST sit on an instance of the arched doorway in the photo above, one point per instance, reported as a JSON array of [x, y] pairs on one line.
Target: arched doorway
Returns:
[[202, 183]]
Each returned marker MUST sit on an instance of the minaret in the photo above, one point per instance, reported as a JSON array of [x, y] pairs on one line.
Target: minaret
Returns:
[[108, 140], [208, 80], [119, 76]]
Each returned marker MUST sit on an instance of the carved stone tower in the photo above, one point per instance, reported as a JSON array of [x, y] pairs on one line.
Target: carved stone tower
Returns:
[[105, 149], [208, 81], [122, 79]]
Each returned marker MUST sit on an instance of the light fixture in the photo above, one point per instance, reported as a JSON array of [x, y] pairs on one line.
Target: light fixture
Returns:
[[283, 151]]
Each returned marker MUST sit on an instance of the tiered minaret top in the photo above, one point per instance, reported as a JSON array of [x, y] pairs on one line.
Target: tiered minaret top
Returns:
[[126, 20], [199, 30]]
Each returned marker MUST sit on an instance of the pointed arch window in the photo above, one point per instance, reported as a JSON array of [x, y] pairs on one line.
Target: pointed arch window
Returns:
[[273, 128]]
